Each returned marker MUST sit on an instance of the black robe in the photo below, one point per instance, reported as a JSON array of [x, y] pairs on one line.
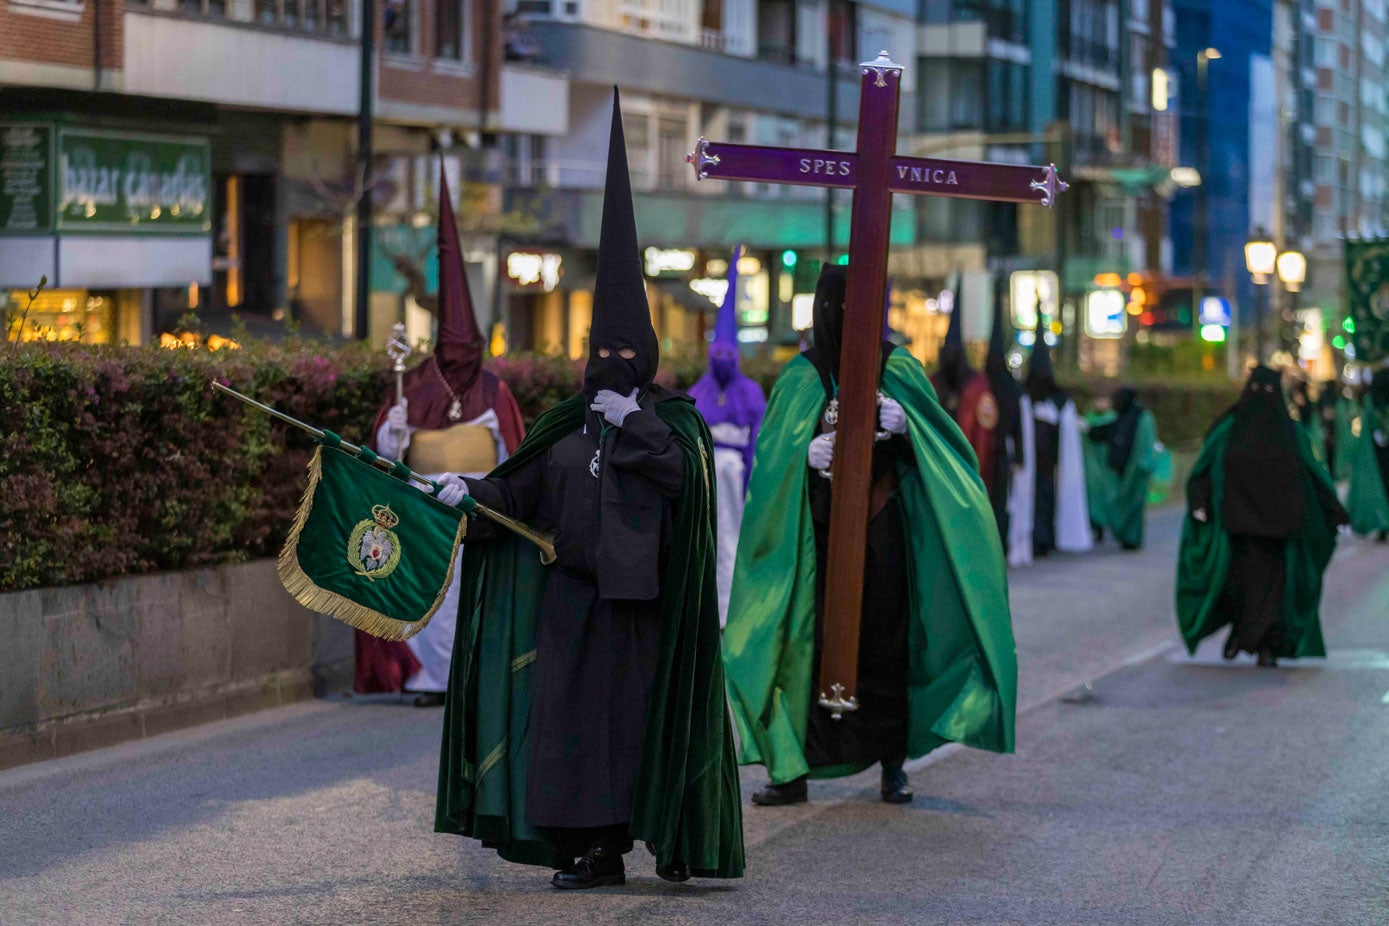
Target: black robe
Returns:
[[595, 654], [1047, 441], [878, 729]]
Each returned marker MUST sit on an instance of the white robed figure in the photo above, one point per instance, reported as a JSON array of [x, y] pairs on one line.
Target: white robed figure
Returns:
[[1061, 512], [452, 417], [732, 405]]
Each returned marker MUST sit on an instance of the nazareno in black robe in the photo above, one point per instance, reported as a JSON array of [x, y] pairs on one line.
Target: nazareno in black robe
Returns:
[[595, 652], [877, 731]]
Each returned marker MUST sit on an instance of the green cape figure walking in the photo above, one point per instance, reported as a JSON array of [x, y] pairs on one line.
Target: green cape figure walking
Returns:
[[934, 572], [1121, 453], [585, 709], [1260, 529], [1368, 456]]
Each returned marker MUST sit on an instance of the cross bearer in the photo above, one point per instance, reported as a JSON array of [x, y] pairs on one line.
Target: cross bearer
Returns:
[[934, 571]]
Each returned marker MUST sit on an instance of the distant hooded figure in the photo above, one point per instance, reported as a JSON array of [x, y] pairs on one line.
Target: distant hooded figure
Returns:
[[1260, 529], [586, 707], [1369, 462], [732, 406], [936, 653], [1121, 453], [967, 395], [1009, 440], [453, 416], [1061, 517]]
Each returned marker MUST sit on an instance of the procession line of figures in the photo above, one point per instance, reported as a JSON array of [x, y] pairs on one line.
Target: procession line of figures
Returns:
[[587, 703]]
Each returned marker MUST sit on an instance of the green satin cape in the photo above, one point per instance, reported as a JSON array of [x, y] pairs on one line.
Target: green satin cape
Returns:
[[1367, 504], [1203, 560], [1346, 413], [1117, 500], [686, 800], [962, 676]]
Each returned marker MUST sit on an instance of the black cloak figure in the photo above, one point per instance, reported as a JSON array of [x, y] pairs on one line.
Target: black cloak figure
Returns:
[[1007, 393], [627, 734]]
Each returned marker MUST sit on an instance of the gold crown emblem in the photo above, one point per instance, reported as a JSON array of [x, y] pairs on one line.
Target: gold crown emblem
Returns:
[[384, 516]]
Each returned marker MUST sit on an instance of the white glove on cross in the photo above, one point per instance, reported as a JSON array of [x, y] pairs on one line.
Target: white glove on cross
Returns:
[[821, 452], [891, 416], [614, 407], [454, 488]]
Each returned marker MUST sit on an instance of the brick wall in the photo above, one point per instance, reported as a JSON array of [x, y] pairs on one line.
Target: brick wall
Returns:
[[423, 80], [35, 35]]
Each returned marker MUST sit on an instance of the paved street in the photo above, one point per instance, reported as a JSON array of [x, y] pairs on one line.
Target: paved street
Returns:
[[1171, 790]]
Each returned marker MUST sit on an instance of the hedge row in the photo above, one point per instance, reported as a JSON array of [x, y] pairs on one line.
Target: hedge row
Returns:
[[116, 461]]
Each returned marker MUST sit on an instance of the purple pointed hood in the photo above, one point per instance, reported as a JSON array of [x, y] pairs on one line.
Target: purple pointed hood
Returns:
[[730, 402]]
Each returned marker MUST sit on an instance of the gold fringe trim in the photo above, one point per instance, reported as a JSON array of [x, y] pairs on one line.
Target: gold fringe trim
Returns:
[[305, 591], [520, 662]]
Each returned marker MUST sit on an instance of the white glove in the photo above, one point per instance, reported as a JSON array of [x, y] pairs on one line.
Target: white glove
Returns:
[[891, 416], [615, 408], [454, 488], [394, 436], [821, 452]]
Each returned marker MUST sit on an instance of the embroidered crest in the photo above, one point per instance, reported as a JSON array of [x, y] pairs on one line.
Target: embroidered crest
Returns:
[[987, 413], [373, 550]]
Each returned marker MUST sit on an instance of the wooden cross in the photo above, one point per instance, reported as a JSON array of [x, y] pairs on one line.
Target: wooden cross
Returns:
[[874, 172]]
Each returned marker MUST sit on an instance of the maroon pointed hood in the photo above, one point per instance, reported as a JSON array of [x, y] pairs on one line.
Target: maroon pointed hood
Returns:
[[460, 345]]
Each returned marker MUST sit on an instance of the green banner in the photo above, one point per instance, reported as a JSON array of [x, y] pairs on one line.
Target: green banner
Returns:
[[1367, 297], [369, 549], [133, 183], [26, 178]]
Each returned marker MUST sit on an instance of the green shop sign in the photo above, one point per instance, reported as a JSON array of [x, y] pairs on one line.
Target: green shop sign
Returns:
[[1367, 292], [26, 178], [132, 183]]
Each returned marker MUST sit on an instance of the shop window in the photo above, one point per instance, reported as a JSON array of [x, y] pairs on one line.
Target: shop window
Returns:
[[58, 315], [450, 29]]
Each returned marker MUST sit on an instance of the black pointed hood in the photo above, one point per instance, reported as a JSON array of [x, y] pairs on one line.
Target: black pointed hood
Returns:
[[998, 337], [621, 316], [954, 363], [1041, 380], [828, 319]]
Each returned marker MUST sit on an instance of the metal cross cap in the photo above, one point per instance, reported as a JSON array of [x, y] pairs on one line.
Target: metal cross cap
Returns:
[[874, 171]]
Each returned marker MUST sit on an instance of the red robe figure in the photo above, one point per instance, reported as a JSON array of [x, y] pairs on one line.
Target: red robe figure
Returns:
[[965, 393], [454, 417]]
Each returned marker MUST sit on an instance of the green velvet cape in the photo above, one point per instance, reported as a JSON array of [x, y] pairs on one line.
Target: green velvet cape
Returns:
[[1117, 500], [962, 675], [1367, 504], [686, 800], [1203, 560], [1346, 413]]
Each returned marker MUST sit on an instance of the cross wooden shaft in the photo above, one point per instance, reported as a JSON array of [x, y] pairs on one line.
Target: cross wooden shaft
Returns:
[[874, 172]]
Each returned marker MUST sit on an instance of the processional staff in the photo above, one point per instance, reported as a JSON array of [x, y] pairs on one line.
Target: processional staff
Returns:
[[874, 172], [398, 349]]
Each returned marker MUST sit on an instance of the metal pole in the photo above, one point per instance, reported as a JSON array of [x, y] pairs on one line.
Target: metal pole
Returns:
[[831, 117], [1202, 158], [1260, 309], [361, 317]]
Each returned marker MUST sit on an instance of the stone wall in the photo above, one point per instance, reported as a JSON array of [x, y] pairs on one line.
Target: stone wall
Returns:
[[87, 666]]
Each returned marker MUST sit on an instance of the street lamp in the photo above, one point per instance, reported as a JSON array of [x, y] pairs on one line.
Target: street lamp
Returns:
[[1261, 258], [1292, 270]]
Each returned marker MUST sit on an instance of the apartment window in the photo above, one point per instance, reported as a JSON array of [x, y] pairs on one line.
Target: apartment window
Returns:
[[776, 31], [636, 127], [398, 27], [213, 8], [671, 145], [843, 25], [450, 29], [937, 12]]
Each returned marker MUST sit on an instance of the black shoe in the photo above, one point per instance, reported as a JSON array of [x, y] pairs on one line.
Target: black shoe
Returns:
[[598, 867], [1267, 660], [429, 699], [770, 795], [672, 873], [896, 788], [1231, 649]]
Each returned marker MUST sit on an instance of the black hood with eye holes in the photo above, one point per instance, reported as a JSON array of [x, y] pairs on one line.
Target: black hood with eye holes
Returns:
[[621, 316]]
